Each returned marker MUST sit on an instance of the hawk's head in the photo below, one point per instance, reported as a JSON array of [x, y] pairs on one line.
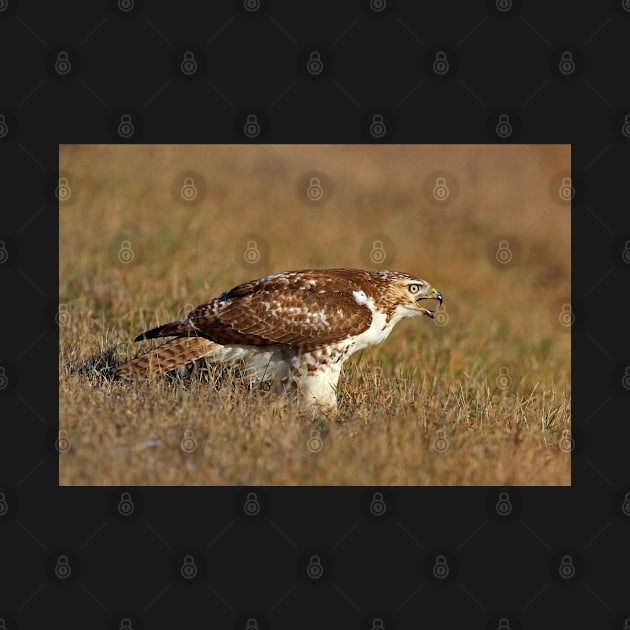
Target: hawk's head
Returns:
[[411, 292]]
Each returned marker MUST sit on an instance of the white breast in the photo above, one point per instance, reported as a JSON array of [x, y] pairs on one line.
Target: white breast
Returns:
[[379, 328]]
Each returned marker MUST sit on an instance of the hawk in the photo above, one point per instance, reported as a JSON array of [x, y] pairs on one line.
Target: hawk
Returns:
[[295, 328]]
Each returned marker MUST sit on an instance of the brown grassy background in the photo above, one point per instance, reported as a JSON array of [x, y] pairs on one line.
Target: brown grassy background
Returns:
[[482, 399]]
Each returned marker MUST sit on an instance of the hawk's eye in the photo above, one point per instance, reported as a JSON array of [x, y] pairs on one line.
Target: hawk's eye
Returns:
[[414, 288]]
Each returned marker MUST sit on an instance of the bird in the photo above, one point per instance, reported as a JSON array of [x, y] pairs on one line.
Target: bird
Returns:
[[295, 328]]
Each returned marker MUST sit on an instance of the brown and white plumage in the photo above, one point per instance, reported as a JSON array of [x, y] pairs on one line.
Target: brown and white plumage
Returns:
[[294, 328]]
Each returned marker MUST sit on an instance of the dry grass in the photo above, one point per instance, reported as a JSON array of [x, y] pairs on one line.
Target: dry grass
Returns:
[[481, 400]]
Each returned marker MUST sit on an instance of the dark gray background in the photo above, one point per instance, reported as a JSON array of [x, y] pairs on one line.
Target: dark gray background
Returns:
[[505, 58]]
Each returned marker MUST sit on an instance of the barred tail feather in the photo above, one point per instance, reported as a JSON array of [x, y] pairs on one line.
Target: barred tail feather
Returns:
[[167, 357]]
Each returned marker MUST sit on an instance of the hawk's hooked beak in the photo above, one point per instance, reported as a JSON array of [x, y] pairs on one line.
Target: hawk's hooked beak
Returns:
[[431, 294]]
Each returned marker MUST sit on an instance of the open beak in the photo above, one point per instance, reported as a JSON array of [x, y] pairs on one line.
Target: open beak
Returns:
[[432, 294]]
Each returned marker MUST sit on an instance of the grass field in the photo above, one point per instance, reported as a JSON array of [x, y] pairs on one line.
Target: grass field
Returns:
[[479, 396]]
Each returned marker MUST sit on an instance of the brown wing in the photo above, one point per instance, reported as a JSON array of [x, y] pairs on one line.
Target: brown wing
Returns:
[[298, 318], [167, 357], [303, 309]]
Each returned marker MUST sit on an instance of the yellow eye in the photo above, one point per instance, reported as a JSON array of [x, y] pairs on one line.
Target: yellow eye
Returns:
[[414, 288]]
